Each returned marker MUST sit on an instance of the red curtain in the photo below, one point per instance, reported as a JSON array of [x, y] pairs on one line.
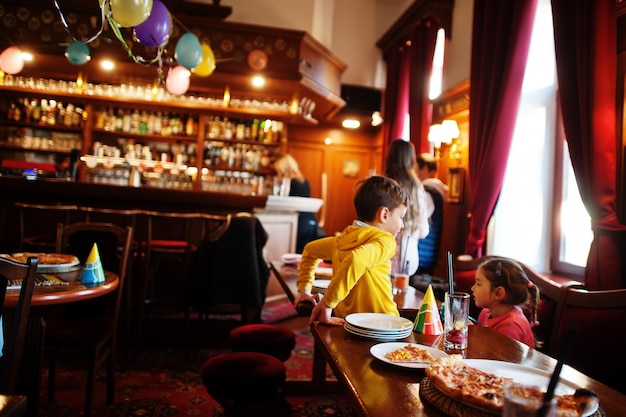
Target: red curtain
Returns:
[[500, 40], [585, 40], [396, 99], [408, 79], [423, 41]]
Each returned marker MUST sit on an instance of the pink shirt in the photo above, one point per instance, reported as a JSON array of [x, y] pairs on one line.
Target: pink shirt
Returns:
[[513, 324]]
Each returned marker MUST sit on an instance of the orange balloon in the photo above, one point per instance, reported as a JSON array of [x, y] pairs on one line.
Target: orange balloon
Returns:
[[257, 59]]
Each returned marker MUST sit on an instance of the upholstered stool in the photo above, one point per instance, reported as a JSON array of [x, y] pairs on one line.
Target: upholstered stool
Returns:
[[246, 384], [264, 338]]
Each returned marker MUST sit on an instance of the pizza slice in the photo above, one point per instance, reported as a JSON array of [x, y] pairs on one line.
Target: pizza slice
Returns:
[[452, 376]]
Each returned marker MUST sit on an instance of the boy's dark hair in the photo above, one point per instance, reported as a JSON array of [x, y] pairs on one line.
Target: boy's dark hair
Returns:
[[376, 192]]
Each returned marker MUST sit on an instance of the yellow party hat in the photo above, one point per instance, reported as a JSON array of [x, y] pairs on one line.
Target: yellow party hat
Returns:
[[93, 272], [428, 320]]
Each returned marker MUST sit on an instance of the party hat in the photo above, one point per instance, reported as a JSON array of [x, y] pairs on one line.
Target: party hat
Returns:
[[92, 273], [428, 320]]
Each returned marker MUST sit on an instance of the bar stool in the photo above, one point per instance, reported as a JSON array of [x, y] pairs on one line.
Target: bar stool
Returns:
[[263, 338], [38, 224], [247, 384], [168, 247]]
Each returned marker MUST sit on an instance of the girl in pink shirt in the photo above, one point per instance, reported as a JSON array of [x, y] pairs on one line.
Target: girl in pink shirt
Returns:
[[501, 289]]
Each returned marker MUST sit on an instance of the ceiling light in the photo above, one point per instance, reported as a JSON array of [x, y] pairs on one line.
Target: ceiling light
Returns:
[[107, 64], [351, 123], [258, 81], [377, 119]]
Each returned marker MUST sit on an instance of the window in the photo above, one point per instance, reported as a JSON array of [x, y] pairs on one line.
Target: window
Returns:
[[539, 218]]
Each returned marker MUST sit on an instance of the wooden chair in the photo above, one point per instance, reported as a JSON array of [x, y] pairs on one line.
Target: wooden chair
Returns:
[[37, 224], [123, 218], [91, 325], [15, 338], [551, 299], [229, 275], [598, 318]]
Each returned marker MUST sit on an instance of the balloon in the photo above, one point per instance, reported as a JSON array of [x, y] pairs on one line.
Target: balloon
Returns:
[[130, 13], [155, 30], [188, 51], [11, 60], [177, 81], [77, 53], [257, 59], [207, 64]]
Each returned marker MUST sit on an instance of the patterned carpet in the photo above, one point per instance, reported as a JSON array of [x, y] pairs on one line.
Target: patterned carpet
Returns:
[[163, 381]]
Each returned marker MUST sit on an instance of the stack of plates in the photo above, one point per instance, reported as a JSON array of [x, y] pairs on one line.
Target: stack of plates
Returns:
[[320, 285], [378, 326]]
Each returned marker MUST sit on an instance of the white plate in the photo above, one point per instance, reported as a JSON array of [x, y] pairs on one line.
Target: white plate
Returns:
[[403, 333], [324, 272], [379, 350], [321, 285], [526, 375], [377, 335], [379, 322], [291, 258]]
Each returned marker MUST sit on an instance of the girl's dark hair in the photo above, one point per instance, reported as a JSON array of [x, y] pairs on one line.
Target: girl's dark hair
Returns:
[[400, 165], [510, 275], [376, 192]]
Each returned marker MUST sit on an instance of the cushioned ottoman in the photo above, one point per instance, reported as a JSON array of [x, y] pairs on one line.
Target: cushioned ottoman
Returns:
[[264, 338], [246, 384]]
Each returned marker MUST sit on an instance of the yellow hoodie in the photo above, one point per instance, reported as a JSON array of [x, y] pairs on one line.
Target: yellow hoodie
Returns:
[[361, 258]]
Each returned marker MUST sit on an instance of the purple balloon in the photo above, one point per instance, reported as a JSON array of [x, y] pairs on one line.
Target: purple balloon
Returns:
[[155, 30]]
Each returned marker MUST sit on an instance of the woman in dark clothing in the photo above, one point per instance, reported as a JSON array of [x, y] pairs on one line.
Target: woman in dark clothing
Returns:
[[308, 228]]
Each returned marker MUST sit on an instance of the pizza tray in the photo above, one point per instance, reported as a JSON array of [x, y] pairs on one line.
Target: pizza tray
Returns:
[[430, 394]]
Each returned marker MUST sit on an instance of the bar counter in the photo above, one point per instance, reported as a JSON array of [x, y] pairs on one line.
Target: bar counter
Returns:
[[51, 191], [83, 193]]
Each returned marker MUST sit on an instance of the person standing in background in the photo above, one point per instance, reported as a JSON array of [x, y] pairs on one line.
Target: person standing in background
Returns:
[[436, 196], [308, 227], [400, 165]]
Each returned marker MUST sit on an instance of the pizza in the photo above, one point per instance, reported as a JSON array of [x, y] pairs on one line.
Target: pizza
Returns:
[[46, 258], [409, 353], [452, 376]]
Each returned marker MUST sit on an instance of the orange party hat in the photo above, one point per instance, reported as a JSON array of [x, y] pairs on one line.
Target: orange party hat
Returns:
[[93, 272], [428, 320]]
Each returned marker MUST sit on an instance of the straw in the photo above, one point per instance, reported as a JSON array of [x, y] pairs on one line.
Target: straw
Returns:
[[450, 274], [554, 379]]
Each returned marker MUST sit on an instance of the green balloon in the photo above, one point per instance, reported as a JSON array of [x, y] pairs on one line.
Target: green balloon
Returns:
[[128, 13]]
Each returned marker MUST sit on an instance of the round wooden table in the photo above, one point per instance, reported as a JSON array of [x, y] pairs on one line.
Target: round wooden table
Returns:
[[74, 290], [44, 298]]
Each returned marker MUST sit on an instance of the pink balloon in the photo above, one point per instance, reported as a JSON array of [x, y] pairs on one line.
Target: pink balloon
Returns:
[[177, 81], [11, 60]]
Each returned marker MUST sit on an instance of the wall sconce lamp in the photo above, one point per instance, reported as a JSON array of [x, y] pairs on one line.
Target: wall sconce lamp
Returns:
[[443, 133]]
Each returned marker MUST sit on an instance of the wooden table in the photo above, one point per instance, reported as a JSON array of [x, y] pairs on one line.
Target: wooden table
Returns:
[[48, 295], [45, 297], [287, 275], [378, 389]]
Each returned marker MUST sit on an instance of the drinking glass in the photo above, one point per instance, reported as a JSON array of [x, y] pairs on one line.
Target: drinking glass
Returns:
[[456, 312], [518, 404]]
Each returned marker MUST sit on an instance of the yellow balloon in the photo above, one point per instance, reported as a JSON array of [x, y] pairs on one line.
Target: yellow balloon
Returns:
[[207, 64], [129, 13]]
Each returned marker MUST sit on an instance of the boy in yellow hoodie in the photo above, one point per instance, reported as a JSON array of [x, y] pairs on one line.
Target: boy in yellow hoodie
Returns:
[[361, 256]]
